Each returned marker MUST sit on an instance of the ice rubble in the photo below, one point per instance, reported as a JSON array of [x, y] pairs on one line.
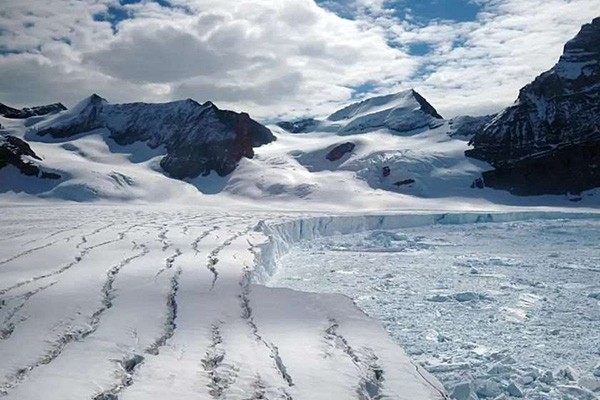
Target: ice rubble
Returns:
[[503, 376], [284, 235]]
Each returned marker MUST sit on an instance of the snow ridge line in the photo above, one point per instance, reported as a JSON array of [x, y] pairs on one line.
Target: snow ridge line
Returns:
[[221, 375], [111, 275], [58, 232], [94, 232], [78, 334], [247, 316], [18, 234], [8, 325], [130, 364], [370, 384], [162, 236], [202, 236], [213, 260], [168, 263], [171, 320], [29, 251], [82, 254]]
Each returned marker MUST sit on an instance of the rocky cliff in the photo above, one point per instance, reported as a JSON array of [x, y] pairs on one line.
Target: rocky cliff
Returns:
[[548, 142]]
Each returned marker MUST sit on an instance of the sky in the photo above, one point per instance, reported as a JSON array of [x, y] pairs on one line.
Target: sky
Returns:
[[281, 59]]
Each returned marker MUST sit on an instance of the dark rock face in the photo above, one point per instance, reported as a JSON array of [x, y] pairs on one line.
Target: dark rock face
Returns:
[[9, 112], [198, 138], [571, 169], [340, 151], [404, 182], [425, 106], [12, 150], [552, 129], [299, 126]]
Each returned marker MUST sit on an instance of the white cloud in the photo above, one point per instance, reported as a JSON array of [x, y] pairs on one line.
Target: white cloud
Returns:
[[478, 67], [272, 58]]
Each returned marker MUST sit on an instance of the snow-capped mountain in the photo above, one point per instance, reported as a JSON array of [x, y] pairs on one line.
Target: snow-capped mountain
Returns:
[[403, 113], [549, 140], [10, 112], [198, 138], [395, 147]]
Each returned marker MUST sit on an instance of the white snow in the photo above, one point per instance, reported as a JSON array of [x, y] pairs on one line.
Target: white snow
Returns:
[[158, 289]]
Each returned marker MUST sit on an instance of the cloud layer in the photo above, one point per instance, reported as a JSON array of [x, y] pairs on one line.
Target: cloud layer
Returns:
[[277, 58]]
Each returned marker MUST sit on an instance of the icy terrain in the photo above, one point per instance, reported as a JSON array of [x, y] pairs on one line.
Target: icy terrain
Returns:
[[491, 309], [109, 302]]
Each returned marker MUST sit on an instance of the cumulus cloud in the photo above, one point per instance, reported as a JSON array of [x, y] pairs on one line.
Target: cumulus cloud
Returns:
[[276, 58], [477, 67]]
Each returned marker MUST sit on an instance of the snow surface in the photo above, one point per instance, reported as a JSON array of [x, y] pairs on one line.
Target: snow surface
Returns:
[[158, 289], [148, 302], [490, 308]]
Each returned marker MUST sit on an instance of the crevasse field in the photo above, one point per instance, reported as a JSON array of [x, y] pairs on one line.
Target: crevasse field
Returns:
[[108, 302], [137, 303], [508, 308]]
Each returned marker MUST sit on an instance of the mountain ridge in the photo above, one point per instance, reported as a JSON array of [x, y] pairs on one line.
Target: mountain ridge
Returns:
[[551, 135], [197, 137], [401, 112]]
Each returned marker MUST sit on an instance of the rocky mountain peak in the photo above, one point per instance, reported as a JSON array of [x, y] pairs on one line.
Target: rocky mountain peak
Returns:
[[197, 138], [549, 140], [400, 112]]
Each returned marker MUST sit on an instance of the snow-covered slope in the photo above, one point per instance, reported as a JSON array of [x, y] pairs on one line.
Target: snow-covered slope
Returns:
[[109, 152], [133, 303], [402, 113]]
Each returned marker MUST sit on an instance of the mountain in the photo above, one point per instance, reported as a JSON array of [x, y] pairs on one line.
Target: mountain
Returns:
[[18, 153], [198, 138], [548, 142], [403, 112], [15, 113]]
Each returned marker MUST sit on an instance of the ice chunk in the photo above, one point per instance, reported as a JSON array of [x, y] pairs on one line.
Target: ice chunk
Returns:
[[514, 390], [568, 373], [590, 383], [488, 389], [464, 391]]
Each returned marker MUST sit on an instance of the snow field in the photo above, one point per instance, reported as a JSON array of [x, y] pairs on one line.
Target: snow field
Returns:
[[123, 302]]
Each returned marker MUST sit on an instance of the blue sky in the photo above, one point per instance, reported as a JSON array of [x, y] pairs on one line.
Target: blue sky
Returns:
[[419, 10], [284, 58]]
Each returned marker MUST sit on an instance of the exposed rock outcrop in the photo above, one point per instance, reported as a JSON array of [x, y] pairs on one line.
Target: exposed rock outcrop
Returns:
[[340, 151], [15, 113], [14, 151], [299, 126], [548, 142]]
